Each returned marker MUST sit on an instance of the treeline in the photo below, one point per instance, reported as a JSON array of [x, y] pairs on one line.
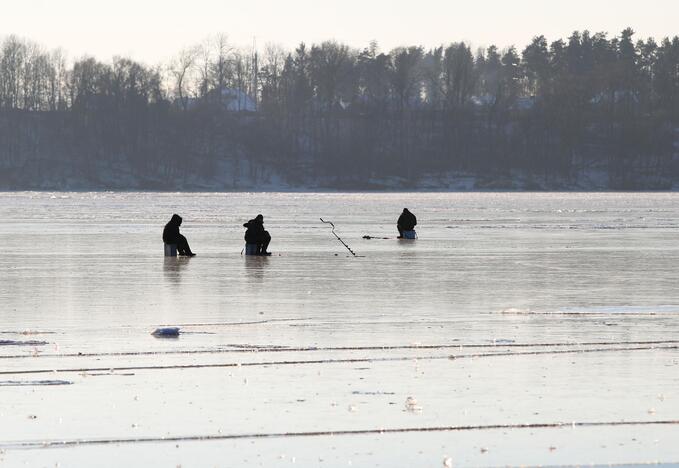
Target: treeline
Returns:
[[331, 115]]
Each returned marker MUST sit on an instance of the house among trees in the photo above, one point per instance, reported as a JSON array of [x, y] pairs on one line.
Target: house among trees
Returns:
[[231, 100]]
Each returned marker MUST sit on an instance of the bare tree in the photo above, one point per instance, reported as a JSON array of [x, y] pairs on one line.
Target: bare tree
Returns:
[[181, 69], [221, 67]]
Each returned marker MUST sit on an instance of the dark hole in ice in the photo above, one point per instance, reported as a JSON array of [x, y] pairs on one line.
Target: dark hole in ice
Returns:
[[29, 383], [22, 343]]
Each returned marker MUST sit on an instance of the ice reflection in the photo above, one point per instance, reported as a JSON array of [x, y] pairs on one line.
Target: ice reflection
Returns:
[[173, 266], [255, 267]]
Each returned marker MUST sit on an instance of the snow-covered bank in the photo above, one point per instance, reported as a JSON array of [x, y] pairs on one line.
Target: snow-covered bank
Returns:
[[263, 180]]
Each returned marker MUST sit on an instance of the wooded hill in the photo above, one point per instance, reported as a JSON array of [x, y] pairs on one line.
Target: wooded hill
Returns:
[[551, 116]]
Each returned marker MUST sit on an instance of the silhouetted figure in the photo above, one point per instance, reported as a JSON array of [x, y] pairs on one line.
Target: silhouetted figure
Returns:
[[406, 222], [256, 234], [171, 236]]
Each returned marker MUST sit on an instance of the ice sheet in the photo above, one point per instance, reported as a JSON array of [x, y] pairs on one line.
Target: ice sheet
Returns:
[[508, 309]]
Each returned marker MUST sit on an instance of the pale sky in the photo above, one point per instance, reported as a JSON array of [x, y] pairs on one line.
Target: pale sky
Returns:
[[154, 30]]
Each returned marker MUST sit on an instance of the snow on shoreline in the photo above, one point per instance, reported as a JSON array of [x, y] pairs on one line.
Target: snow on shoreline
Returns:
[[516, 181]]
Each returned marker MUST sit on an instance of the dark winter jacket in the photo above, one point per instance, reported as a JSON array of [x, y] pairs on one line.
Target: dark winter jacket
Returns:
[[407, 221], [255, 230], [171, 231]]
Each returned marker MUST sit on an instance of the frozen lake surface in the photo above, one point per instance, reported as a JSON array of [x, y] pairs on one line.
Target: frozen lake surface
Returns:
[[519, 329]]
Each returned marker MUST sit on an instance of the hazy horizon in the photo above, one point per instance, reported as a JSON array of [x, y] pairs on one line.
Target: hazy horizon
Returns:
[[153, 31]]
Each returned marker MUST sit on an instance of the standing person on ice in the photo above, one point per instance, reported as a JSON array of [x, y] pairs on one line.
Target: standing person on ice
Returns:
[[171, 236], [256, 234], [406, 222]]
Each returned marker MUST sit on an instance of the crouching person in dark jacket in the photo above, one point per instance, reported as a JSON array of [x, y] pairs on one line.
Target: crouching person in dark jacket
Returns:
[[256, 234], [406, 222], [171, 235]]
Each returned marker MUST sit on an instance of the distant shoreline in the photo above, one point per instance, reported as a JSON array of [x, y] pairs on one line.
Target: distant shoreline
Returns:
[[331, 191]]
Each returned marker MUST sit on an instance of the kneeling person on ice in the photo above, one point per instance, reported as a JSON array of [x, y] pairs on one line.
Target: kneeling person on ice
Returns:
[[406, 222], [256, 234]]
